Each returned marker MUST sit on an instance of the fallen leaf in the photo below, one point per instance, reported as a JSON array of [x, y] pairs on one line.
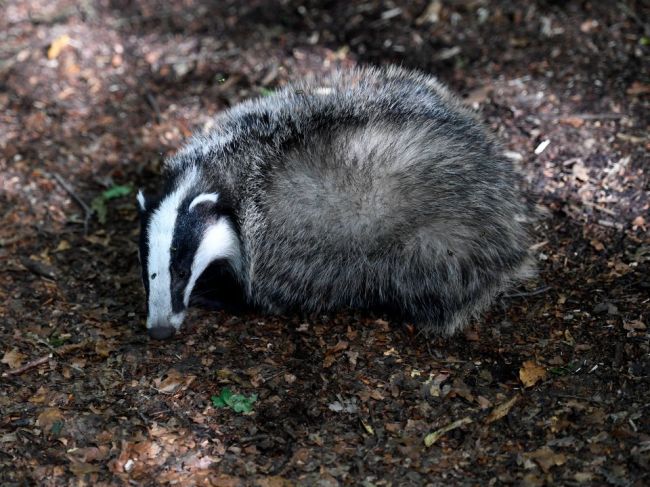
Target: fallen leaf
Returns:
[[431, 14], [340, 346], [344, 405], [597, 244], [501, 410], [103, 348], [57, 46], [82, 468], [170, 383], [274, 481], [461, 389], [331, 352], [583, 477], [40, 396], [63, 245], [89, 454], [236, 402], [436, 383], [49, 418], [634, 325], [638, 88], [531, 373], [580, 171], [431, 438], [369, 429], [13, 358], [575, 122], [546, 458], [638, 222]]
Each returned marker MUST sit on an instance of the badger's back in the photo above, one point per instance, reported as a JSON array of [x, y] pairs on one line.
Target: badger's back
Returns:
[[372, 189]]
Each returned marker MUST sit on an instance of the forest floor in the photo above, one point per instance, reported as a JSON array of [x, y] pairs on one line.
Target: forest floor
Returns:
[[550, 387]]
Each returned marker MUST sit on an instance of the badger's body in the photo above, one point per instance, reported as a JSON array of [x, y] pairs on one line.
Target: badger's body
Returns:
[[372, 189]]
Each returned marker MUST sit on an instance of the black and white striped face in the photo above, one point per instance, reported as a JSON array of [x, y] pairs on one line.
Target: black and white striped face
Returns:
[[180, 237]]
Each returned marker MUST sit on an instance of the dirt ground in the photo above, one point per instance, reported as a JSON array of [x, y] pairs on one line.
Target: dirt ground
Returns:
[[550, 387]]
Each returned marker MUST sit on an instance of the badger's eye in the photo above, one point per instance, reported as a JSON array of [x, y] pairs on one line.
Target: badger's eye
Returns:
[[153, 276], [181, 273]]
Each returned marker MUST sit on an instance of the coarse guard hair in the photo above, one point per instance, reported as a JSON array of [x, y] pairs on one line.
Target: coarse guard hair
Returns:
[[370, 188]]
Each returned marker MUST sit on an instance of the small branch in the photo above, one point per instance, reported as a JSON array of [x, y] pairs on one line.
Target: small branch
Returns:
[[88, 212], [153, 103], [584, 116], [535, 292], [28, 365], [38, 268]]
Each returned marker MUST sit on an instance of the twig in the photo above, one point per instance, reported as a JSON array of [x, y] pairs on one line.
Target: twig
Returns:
[[28, 365], [153, 103], [535, 292], [584, 116], [88, 212]]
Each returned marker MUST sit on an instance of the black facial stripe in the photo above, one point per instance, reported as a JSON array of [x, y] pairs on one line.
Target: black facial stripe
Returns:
[[188, 231], [144, 252]]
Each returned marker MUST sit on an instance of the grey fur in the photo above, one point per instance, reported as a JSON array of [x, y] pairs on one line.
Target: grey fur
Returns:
[[370, 188]]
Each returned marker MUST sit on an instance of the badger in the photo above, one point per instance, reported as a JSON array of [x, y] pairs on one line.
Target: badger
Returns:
[[371, 189]]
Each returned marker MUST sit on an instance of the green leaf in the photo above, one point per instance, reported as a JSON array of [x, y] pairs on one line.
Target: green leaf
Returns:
[[98, 205], [57, 426], [117, 192], [57, 341], [236, 402], [266, 91]]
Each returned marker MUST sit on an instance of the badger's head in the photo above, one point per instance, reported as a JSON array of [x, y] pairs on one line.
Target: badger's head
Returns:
[[180, 236]]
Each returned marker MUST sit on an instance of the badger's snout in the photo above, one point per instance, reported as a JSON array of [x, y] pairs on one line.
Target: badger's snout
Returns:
[[161, 332], [160, 328]]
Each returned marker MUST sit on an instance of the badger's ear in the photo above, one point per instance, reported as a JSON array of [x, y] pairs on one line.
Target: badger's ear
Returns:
[[204, 198], [142, 203]]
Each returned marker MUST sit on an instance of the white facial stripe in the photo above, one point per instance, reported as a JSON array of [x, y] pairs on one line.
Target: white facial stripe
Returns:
[[160, 235], [141, 201], [202, 198], [219, 241]]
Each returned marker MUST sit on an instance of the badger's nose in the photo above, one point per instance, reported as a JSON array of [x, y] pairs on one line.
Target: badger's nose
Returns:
[[161, 332]]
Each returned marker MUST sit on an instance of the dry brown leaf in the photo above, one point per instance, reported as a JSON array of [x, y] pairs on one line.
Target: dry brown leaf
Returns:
[[376, 395], [546, 458], [501, 410], [597, 244], [170, 383], [82, 468], [634, 325], [575, 122], [461, 389], [63, 245], [638, 222], [57, 46], [89, 454], [48, 417], [103, 348], [580, 171], [531, 373], [393, 427], [40, 396], [331, 352], [197, 462], [274, 481], [13, 358], [583, 477], [638, 88], [340, 346], [431, 438]]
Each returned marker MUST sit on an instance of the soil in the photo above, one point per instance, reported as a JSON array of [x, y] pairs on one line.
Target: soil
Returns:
[[550, 387]]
